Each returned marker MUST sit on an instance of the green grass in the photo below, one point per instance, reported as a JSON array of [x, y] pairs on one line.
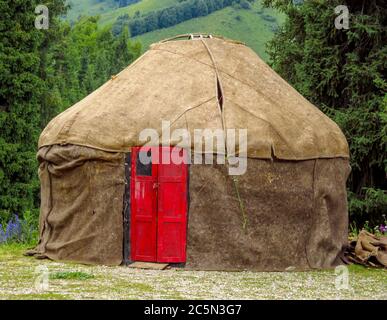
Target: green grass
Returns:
[[18, 276], [71, 275], [13, 249], [88, 8], [254, 27], [248, 26], [144, 6], [109, 11]]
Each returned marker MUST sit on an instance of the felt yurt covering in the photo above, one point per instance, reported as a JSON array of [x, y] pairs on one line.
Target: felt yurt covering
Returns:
[[290, 209]]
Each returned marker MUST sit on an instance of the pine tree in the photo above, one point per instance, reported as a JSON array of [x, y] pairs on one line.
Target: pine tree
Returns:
[[201, 8], [344, 73], [123, 53], [20, 99], [43, 72]]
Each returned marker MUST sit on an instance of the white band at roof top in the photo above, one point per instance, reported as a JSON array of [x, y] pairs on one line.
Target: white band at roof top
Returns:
[[190, 36], [199, 36]]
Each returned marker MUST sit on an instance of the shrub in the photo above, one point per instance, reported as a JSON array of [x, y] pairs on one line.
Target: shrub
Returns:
[[245, 5], [268, 18], [343, 73], [14, 230], [20, 230]]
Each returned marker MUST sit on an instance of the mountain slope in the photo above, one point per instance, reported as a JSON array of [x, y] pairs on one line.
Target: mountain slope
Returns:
[[255, 27], [144, 6], [88, 8], [109, 10]]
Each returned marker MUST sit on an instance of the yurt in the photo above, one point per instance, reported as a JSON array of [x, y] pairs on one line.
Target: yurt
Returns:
[[102, 204]]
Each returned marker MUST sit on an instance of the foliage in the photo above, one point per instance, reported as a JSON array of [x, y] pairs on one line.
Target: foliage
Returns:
[[124, 3], [343, 73], [30, 227], [82, 8], [378, 230], [82, 60], [20, 92], [244, 4], [367, 208], [43, 72], [171, 16], [20, 231], [250, 28]]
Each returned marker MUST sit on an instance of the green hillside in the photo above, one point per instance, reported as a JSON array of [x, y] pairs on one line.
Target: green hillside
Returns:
[[109, 11], [144, 6], [254, 27], [88, 8]]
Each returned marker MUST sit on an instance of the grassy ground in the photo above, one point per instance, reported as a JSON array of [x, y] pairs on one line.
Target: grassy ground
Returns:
[[88, 8], [255, 27], [18, 275], [248, 26], [109, 11], [144, 7]]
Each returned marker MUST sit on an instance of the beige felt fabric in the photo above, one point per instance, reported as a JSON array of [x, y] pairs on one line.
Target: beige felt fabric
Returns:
[[293, 191], [177, 81], [295, 216], [82, 193], [295, 212]]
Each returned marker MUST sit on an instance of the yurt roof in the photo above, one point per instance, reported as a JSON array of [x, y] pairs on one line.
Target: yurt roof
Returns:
[[200, 83]]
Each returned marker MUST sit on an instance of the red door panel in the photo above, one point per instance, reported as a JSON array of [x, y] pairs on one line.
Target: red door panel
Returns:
[[159, 206], [143, 209], [172, 209]]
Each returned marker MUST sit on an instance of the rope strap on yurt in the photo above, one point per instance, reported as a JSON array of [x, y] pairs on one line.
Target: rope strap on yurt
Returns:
[[241, 204], [220, 95]]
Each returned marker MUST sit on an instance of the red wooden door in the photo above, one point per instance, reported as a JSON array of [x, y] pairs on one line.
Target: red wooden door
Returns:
[[159, 206], [143, 220], [172, 207]]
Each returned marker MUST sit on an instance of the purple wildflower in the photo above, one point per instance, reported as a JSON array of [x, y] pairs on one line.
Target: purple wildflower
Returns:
[[383, 229], [14, 229]]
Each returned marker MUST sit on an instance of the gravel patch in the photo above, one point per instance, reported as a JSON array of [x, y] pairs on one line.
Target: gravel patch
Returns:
[[27, 278]]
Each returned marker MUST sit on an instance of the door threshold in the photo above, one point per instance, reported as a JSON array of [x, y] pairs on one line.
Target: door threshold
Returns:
[[148, 265]]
